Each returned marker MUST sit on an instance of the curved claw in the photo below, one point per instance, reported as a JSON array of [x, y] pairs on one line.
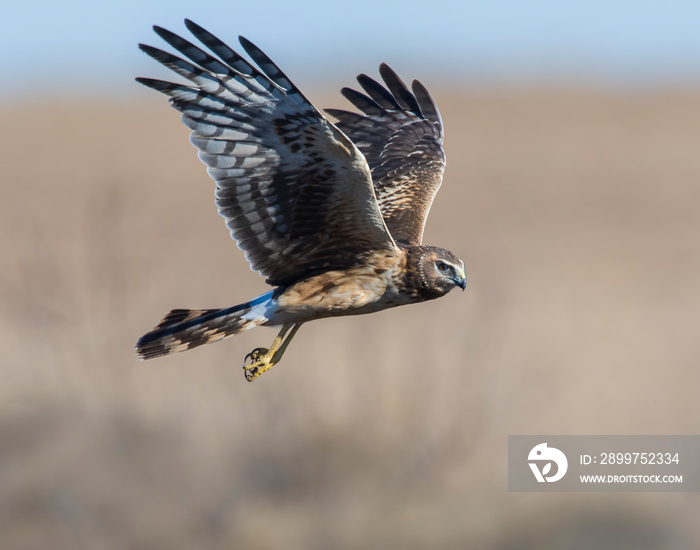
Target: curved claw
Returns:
[[256, 354], [252, 373], [260, 361]]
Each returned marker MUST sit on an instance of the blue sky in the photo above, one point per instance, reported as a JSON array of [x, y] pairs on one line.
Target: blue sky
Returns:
[[85, 47]]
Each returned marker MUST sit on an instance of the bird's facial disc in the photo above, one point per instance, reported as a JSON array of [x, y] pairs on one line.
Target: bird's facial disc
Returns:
[[450, 272]]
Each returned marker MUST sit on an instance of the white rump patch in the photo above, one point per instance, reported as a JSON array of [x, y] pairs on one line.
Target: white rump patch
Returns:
[[264, 310]]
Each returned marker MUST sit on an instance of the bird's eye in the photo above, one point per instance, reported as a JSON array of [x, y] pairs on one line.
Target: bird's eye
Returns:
[[442, 266]]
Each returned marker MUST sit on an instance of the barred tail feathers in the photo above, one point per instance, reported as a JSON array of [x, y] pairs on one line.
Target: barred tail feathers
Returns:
[[184, 329]]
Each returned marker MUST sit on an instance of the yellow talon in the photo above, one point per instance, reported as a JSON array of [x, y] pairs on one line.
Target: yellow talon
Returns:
[[262, 359]]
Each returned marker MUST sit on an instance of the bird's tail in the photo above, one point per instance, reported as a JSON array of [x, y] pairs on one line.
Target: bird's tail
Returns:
[[184, 329]]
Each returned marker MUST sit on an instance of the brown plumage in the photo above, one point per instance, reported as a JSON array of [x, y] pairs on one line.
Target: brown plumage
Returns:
[[331, 215]]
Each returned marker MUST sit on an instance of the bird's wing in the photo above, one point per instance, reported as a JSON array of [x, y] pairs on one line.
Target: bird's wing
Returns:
[[400, 134], [296, 193]]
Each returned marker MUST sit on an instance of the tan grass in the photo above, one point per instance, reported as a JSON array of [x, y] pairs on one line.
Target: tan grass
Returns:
[[577, 216]]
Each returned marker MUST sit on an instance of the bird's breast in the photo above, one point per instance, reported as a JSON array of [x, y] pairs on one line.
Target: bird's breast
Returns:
[[364, 288]]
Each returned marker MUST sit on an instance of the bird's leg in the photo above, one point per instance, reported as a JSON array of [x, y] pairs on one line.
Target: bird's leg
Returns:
[[262, 358]]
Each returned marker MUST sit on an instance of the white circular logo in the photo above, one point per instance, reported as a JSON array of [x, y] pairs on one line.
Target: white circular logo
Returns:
[[541, 459]]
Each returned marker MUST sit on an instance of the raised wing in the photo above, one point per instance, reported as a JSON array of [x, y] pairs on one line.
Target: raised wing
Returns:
[[401, 135], [296, 193]]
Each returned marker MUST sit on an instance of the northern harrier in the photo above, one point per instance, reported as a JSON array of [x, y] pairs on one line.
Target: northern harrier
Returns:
[[332, 215]]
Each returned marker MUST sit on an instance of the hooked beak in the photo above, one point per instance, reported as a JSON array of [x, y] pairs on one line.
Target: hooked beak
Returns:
[[461, 280]]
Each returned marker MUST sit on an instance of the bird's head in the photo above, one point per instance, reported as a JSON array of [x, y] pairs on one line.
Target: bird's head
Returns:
[[442, 271]]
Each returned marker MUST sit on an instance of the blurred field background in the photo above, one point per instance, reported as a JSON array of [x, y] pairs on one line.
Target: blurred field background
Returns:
[[575, 209]]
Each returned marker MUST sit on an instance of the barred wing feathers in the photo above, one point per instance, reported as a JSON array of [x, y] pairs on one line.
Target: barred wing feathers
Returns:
[[400, 134], [295, 192]]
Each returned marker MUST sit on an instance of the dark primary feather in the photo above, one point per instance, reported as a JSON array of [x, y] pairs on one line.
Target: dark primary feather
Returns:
[[296, 194], [399, 89], [400, 134]]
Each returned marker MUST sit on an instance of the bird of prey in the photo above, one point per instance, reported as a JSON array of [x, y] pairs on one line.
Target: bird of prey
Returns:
[[332, 215]]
